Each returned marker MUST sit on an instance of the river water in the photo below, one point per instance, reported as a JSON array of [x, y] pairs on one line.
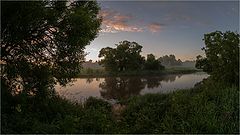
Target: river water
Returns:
[[115, 88]]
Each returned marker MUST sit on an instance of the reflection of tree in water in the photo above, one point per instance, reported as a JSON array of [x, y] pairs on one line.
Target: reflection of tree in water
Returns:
[[170, 78], [152, 82], [97, 79], [155, 81], [124, 87], [89, 80]]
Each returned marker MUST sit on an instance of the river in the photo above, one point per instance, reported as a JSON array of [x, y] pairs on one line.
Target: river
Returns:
[[115, 88]]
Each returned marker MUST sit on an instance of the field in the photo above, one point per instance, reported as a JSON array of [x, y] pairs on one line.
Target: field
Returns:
[[101, 72]]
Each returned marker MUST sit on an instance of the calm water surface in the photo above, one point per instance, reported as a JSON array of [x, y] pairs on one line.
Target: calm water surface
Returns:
[[114, 88]]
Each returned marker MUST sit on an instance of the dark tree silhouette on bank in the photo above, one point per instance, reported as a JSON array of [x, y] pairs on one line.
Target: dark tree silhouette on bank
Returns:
[[222, 56], [152, 63], [42, 42], [126, 56]]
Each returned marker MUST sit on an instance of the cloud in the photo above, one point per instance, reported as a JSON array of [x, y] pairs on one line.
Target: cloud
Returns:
[[114, 22], [154, 27]]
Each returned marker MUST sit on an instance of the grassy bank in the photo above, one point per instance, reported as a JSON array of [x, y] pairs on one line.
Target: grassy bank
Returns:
[[211, 108], [88, 72], [208, 108]]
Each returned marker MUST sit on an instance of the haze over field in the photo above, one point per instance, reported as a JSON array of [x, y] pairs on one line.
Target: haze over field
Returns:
[[163, 28]]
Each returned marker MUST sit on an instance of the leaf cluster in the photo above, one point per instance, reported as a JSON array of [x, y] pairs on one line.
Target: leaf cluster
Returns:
[[222, 56], [42, 42]]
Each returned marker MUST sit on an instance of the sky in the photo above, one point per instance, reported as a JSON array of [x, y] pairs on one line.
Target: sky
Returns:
[[163, 27]]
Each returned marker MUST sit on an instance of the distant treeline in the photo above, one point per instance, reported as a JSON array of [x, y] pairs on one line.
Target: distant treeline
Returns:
[[126, 57], [170, 60], [166, 61]]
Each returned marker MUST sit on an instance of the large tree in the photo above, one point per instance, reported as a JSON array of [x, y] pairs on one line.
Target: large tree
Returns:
[[152, 63], [126, 56], [222, 56], [42, 42]]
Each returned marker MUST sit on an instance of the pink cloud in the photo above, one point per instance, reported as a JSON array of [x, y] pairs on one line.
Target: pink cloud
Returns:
[[154, 27], [116, 22], [113, 22], [119, 17]]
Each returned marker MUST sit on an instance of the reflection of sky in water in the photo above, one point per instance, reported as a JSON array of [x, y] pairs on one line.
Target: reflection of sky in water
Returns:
[[124, 87], [80, 90], [182, 82]]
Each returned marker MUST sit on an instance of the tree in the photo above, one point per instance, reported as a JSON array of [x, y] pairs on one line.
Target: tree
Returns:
[[152, 63], [202, 63], [42, 42], [222, 56], [170, 60], [126, 56]]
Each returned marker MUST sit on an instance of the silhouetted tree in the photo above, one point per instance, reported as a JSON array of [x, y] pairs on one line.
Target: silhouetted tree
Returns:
[[202, 63], [222, 56], [126, 56], [42, 42], [152, 63]]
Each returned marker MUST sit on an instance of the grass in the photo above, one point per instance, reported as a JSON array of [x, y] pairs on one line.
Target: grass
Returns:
[[88, 72], [57, 115], [210, 107]]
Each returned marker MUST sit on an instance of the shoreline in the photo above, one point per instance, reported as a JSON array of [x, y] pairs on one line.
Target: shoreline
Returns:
[[138, 73]]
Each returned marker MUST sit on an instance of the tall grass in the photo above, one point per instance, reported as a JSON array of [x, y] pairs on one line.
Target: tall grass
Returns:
[[207, 109], [210, 107]]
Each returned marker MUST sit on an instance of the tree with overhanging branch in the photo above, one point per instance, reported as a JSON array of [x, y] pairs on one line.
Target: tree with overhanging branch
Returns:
[[42, 42]]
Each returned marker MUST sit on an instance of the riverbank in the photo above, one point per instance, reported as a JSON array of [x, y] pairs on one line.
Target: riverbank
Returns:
[[210, 107], [88, 72]]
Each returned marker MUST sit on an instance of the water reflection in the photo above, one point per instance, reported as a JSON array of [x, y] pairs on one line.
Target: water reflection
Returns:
[[89, 80], [121, 87], [124, 87], [152, 82]]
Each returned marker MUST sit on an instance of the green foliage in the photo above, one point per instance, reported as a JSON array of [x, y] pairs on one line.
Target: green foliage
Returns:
[[58, 115], [90, 72], [126, 56], [43, 41], [209, 108], [202, 63], [222, 56], [97, 117], [144, 114], [152, 64]]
